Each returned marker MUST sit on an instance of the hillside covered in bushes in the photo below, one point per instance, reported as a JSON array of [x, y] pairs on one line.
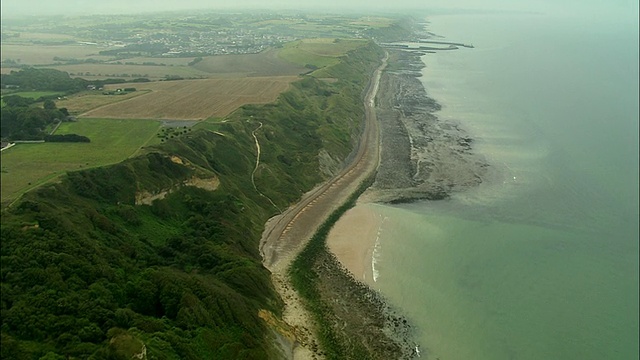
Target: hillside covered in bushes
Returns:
[[157, 256]]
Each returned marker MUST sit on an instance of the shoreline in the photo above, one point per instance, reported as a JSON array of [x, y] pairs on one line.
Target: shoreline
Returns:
[[359, 225], [422, 158], [412, 156], [287, 236]]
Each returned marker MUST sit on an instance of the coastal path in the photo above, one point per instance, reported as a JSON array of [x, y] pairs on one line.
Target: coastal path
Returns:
[[253, 173], [286, 234]]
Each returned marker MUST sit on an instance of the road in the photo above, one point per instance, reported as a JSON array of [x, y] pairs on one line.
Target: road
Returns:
[[286, 235]]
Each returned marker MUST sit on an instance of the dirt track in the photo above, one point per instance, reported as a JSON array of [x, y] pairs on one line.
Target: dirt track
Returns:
[[286, 235]]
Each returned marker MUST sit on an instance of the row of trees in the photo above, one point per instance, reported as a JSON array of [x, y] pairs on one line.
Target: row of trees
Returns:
[[150, 49], [21, 121], [41, 79], [66, 138]]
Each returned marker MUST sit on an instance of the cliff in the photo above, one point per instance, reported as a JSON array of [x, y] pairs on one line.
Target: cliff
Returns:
[[158, 256]]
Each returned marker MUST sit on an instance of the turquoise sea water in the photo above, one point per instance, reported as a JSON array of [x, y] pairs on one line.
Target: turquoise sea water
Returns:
[[541, 260]]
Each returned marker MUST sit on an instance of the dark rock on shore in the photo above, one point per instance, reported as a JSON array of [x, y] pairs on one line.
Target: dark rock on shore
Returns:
[[365, 324], [422, 157]]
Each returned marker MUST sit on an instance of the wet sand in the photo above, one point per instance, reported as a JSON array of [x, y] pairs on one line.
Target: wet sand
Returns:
[[353, 240], [422, 158], [287, 234]]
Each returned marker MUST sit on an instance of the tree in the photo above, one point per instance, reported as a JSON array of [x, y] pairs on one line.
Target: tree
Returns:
[[49, 104], [17, 101]]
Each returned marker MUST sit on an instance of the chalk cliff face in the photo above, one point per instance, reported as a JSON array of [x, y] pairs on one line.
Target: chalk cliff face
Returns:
[[210, 182], [422, 156]]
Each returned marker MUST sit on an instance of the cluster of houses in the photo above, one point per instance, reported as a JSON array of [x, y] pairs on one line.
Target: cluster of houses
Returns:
[[216, 34]]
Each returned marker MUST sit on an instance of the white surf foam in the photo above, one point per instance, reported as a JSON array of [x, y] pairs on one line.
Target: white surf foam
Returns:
[[377, 252]]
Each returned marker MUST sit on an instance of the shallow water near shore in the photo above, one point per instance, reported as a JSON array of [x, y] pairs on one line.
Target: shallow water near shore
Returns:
[[541, 260]]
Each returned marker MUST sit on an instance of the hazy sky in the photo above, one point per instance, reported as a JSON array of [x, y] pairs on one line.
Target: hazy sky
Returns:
[[12, 8]]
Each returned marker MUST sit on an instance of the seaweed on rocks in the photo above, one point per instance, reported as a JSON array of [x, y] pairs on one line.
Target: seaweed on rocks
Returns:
[[365, 323], [422, 156], [353, 320]]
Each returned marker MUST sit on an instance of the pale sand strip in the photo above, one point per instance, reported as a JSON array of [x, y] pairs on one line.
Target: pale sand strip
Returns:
[[353, 238]]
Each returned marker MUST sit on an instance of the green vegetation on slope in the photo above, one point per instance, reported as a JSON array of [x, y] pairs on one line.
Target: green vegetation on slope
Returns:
[[112, 140], [318, 53], [80, 268], [88, 271], [305, 279]]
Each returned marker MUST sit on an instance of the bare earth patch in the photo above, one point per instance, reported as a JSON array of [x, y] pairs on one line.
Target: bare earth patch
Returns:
[[147, 198]]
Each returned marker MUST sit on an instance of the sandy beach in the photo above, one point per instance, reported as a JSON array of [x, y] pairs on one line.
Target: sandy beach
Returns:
[[422, 158], [415, 156], [287, 234], [353, 239]]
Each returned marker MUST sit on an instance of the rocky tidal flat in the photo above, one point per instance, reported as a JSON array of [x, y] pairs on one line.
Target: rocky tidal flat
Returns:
[[422, 156]]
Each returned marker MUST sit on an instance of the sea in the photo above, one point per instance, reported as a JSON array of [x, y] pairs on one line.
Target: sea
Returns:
[[541, 260]]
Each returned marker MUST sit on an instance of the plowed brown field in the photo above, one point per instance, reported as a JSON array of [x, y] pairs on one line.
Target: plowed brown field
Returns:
[[194, 99]]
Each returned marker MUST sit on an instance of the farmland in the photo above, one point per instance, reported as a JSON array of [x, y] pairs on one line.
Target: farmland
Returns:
[[194, 99], [320, 52], [89, 272], [111, 70], [233, 80], [213, 87], [37, 54], [28, 165], [88, 100], [266, 63]]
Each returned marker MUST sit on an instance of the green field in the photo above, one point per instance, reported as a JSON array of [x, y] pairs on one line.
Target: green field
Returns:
[[318, 52], [26, 166], [266, 63], [35, 94]]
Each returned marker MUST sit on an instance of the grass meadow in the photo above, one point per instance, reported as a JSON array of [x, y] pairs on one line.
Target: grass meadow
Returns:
[[26, 166], [320, 53], [266, 63], [35, 94]]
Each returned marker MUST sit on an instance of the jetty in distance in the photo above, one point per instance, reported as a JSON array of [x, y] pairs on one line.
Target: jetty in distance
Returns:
[[445, 43], [419, 47]]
